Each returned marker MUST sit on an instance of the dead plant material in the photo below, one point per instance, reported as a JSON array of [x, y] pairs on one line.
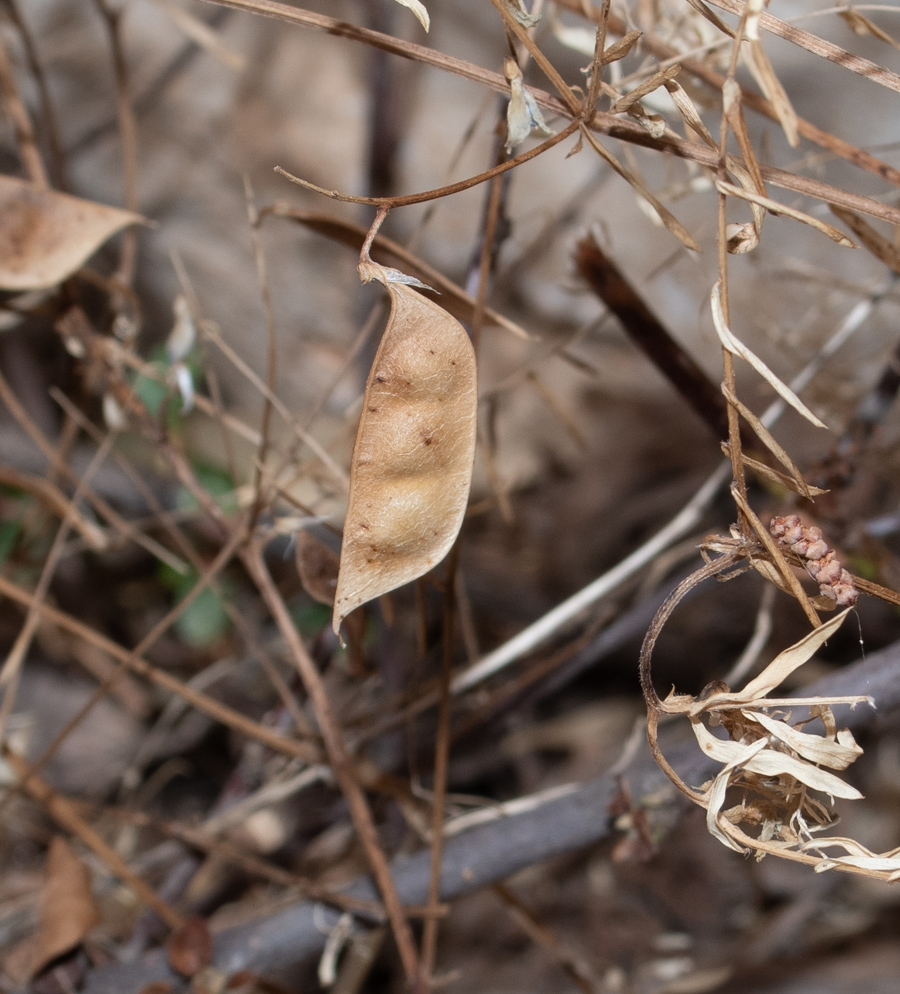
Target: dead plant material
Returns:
[[415, 447], [47, 236]]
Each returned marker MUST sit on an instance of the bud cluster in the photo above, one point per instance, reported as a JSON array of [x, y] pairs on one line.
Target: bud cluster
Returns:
[[820, 561]]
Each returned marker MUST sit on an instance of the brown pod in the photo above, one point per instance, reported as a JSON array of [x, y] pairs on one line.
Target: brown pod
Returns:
[[414, 451]]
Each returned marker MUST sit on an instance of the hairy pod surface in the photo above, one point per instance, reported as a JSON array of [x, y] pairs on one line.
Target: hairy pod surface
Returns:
[[414, 451]]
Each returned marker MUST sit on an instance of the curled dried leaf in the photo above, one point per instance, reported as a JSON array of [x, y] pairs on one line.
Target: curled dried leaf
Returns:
[[415, 447], [45, 236], [522, 113]]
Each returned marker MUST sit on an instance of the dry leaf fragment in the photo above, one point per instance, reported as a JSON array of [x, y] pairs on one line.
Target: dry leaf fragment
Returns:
[[419, 10], [317, 566], [68, 911], [522, 113], [46, 236], [414, 451], [189, 948]]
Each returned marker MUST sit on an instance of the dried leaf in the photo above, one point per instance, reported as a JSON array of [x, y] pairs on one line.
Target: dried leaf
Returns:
[[778, 670], [68, 911], [655, 81], [762, 71], [873, 240], [317, 566], [46, 236], [419, 10], [415, 446], [663, 214], [189, 948], [776, 208], [738, 348], [815, 748], [518, 11], [797, 483], [618, 50], [689, 113], [770, 763]]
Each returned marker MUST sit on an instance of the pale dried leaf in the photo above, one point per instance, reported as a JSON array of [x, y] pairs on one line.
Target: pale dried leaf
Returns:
[[815, 748], [415, 447], [45, 236], [770, 763], [778, 670], [782, 209], [736, 347], [68, 911], [762, 71], [732, 104], [741, 238], [689, 113], [419, 10], [715, 798]]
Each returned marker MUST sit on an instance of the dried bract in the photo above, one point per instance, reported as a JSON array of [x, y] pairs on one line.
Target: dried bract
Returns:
[[415, 447]]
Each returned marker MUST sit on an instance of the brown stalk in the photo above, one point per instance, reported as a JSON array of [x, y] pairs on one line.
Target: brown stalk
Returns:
[[65, 814], [48, 112], [31, 157], [9, 674], [576, 966], [444, 191], [340, 760], [155, 633], [271, 349], [123, 526], [734, 431], [839, 147], [454, 299], [127, 133], [616, 127], [55, 501], [441, 761], [216, 710]]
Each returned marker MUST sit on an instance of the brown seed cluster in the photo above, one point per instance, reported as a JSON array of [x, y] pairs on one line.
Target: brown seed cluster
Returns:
[[820, 561]]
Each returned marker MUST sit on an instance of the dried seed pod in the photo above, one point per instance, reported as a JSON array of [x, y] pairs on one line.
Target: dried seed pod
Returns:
[[415, 447]]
